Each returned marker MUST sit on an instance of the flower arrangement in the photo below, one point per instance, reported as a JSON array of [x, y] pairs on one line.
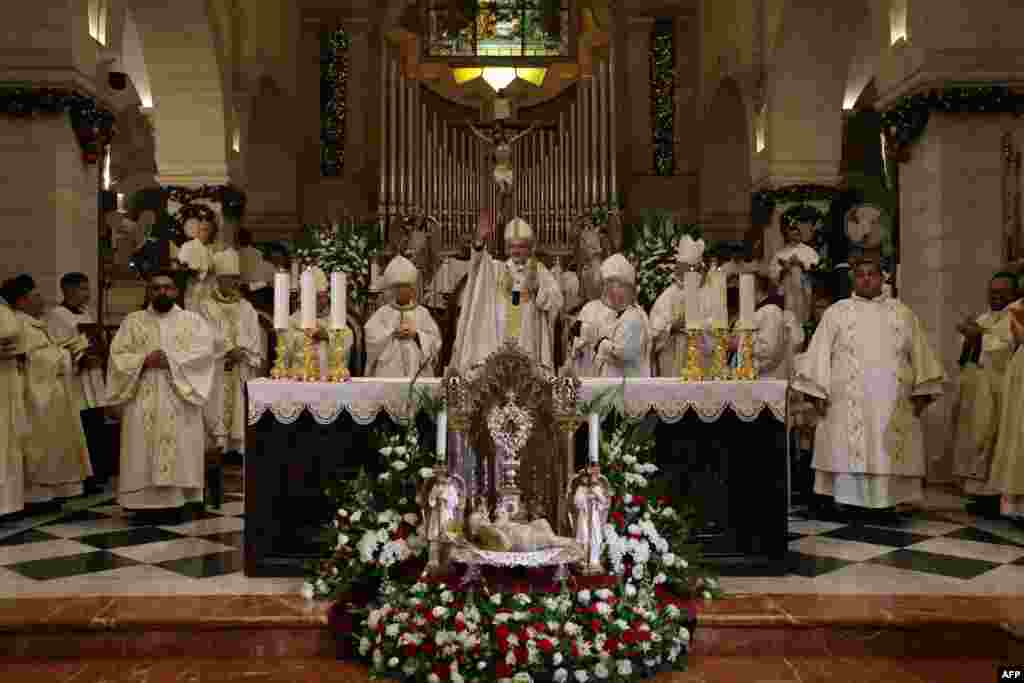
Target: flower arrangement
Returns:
[[652, 251], [345, 247], [377, 525], [647, 537], [428, 632]]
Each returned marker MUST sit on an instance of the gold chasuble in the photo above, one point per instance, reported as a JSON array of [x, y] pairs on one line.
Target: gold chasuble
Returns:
[[162, 437]]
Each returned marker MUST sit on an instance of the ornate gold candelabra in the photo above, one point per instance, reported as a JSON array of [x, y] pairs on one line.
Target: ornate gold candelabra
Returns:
[[310, 358], [337, 363], [280, 369], [694, 369], [745, 365], [720, 356]]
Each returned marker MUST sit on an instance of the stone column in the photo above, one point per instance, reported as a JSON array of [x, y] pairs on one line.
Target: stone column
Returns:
[[951, 242]]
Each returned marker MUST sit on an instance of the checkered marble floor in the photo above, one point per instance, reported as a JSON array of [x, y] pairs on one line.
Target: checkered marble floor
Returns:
[[940, 549]]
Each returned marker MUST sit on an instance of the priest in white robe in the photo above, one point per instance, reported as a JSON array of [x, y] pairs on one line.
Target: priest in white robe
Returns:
[[88, 381], [871, 373], [987, 347], [778, 334], [162, 367], [13, 426], [402, 338], [1007, 476], [614, 337], [238, 325], [295, 339], [56, 454], [516, 300]]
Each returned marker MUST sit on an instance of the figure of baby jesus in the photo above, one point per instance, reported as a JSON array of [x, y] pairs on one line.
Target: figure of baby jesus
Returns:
[[504, 535]]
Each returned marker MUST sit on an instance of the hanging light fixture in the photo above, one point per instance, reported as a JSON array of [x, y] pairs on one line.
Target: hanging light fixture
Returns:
[[499, 77]]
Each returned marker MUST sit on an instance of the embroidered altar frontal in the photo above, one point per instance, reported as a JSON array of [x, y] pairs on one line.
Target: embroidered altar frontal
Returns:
[[303, 435]]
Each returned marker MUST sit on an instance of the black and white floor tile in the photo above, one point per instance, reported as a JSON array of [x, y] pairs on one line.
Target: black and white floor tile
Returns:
[[102, 551]]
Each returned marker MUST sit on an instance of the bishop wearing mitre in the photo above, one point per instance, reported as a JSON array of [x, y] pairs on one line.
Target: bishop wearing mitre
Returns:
[[161, 369], [55, 450], [871, 372], [402, 339], [236, 321], [614, 338], [513, 300], [668, 314]]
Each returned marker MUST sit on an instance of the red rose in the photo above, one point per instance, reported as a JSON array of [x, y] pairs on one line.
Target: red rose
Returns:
[[522, 656], [460, 626], [539, 627], [501, 632], [663, 500], [629, 637], [545, 646], [402, 532], [409, 650], [612, 645], [441, 671], [639, 500], [595, 625], [427, 648], [503, 670]]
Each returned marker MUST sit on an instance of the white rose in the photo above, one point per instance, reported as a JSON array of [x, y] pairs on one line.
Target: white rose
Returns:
[[342, 512], [625, 667], [522, 677], [385, 476], [557, 659], [496, 598], [447, 596], [604, 594], [603, 608], [668, 559], [400, 450], [307, 590], [411, 518], [393, 662], [583, 596], [426, 472], [561, 675], [684, 634], [387, 450], [582, 676], [630, 590], [356, 516], [660, 579], [400, 465], [627, 499], [600, 670]]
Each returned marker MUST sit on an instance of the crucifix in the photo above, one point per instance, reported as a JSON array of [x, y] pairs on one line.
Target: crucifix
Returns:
[[501, 143]]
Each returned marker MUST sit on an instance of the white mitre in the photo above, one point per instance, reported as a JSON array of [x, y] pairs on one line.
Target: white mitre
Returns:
[[616, 267], [226, 263], [401, 271], [518, 229]]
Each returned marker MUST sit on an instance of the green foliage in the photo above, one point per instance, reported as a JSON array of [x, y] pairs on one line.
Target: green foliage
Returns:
[[345, 248], [652, 248]]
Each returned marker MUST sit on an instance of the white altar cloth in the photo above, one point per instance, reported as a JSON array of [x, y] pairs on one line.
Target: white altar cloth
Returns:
[[364, 397]]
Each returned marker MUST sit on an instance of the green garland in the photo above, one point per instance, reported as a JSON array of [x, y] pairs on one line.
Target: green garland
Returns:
[[663, 103], [343, 248], [905, 122], [93, 124], [652, 251], [231, 199]]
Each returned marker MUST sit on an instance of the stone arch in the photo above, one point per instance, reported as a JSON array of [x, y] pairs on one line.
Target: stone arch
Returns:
[[725, 180], [190, 118], [811, 69]]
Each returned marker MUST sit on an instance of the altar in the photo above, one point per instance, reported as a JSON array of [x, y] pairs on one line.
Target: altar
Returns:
[[723, 443]]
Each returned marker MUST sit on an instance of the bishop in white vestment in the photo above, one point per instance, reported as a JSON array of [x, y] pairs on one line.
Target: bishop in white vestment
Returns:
[[162, 366], [777, 335], [196, 256], [56, 454], [12, 414], [987, 347], [512, 300], [1007, 476], [871, 371], [402, 339], [614, 339], [238, 325]]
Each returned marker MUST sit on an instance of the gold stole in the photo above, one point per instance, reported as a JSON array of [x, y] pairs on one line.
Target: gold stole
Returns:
[[513, 314]]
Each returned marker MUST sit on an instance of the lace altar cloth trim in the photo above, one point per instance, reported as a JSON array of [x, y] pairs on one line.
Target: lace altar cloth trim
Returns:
[[363, 398], [468, 554]]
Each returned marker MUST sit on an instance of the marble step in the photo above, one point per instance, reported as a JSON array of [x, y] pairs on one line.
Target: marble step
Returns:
[[282, 626]]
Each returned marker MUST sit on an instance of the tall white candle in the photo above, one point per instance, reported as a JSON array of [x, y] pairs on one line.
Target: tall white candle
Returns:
[[282, 305], [594, 433], [442, 434], [307, 300], [691, 287], [719, 311], [295, 274], [746, 299], [374, 276], [339, 292]]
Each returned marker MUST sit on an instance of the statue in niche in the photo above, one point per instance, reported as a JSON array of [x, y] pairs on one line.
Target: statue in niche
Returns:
[[501, 142], [791, 264], [591, 248], [590, 492]]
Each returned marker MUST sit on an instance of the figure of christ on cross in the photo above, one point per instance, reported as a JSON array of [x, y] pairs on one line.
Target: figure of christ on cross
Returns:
[[501, 142]]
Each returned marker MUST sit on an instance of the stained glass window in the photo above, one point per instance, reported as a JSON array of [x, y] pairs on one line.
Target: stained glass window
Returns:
[[498, 28], [333, 100], [663, 114]]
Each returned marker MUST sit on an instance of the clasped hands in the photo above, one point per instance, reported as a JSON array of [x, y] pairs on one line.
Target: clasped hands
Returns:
[[156, 360], [405, 331], [9, 348], [970, 328]]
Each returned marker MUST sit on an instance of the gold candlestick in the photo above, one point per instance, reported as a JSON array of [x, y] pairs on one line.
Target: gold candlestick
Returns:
[[720, 357], [338, 365], [694, 370], [745, 367], [280, 369], [310, 358]]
